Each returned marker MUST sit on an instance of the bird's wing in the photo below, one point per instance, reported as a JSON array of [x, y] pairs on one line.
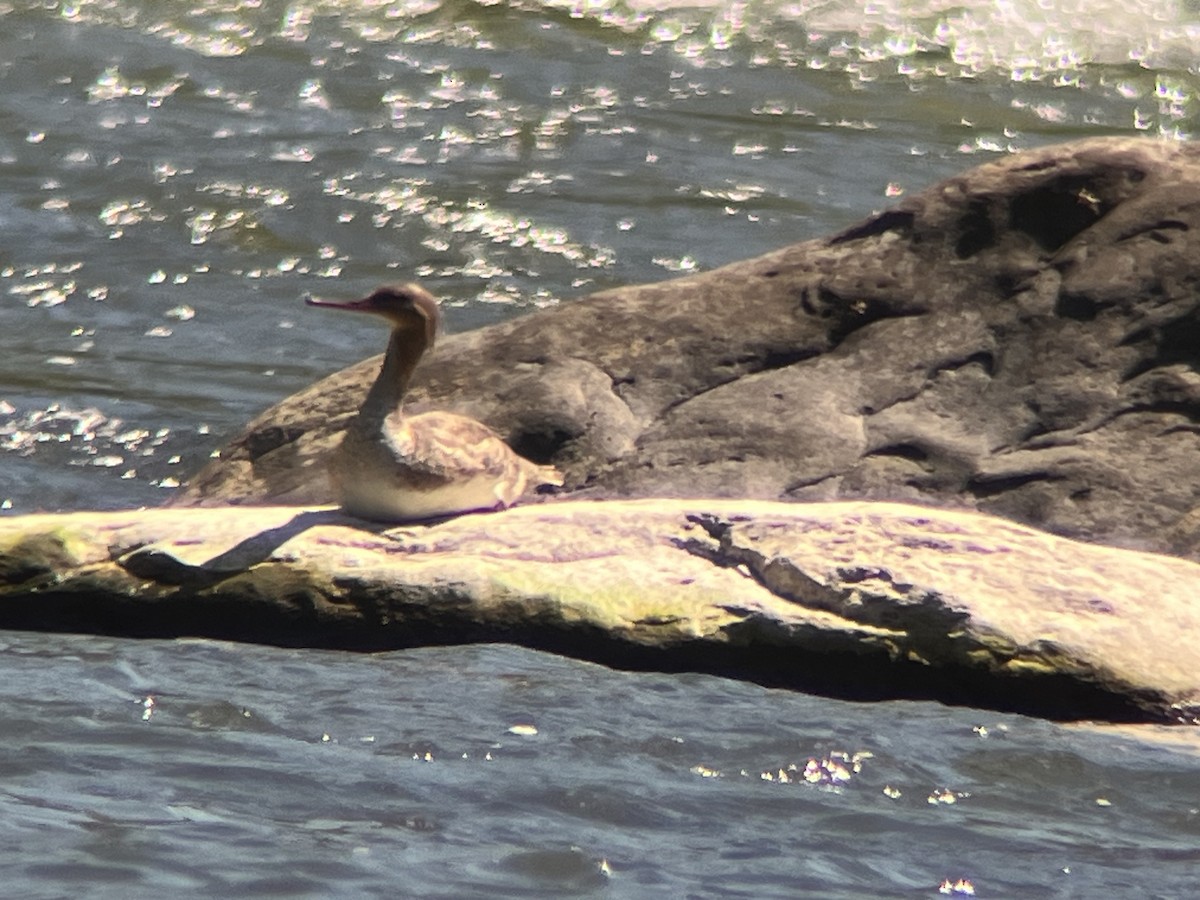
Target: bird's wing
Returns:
[[450, 446]]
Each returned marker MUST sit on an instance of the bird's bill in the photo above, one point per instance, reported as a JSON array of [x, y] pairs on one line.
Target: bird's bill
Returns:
[[363, 305]]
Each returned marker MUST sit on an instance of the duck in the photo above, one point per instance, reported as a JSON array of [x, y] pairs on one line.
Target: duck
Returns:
[[395, 467]]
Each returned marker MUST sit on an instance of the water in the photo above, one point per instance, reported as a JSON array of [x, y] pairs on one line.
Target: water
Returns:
[[495, 771], [174, 177]]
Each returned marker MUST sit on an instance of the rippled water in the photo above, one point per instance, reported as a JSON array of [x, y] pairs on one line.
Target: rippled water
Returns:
[[199, 768], [173, 177]]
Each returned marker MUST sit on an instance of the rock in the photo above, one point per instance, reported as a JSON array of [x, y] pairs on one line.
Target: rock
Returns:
[[852, 599], [1020, 339]]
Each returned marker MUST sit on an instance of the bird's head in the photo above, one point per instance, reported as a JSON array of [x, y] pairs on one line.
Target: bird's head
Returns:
[[409, 307]]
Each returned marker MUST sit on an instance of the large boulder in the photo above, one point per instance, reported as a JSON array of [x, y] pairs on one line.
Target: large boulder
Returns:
[[1022, 339], [853, 599]]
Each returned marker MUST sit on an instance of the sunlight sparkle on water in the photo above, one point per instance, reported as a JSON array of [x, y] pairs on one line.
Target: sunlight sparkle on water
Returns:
[[87, 436], [681, 264], [297, 153], [515, 231]]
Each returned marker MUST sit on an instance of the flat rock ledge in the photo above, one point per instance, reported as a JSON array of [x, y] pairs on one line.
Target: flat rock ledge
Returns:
[[863, 600]]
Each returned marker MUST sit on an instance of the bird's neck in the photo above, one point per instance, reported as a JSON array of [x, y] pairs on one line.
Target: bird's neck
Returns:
[[404, 351]]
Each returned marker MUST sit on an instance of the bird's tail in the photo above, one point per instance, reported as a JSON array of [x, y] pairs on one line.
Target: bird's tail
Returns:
[[548, 475]]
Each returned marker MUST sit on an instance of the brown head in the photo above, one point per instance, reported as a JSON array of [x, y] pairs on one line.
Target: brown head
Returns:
[[409, 307]]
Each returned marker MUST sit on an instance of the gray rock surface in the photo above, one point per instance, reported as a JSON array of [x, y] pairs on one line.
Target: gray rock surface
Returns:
[[1022, 339], [865, 600]]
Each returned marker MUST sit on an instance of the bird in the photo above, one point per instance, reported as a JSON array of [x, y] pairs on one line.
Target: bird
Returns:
[[393, 467]]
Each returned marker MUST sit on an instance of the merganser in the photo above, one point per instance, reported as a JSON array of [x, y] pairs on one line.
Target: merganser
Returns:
[[391, 467]]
